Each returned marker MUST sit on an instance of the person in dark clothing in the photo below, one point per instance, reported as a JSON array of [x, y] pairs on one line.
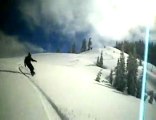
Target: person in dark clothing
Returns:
[[27, 62]]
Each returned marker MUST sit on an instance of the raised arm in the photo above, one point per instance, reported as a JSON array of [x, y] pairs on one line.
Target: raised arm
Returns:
[[33, 60]]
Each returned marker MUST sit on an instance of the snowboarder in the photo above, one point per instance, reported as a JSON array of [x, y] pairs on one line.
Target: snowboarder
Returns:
[[27, 62]]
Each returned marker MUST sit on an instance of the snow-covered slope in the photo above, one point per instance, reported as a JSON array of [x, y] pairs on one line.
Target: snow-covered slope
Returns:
[[66, 89], [19, 98]]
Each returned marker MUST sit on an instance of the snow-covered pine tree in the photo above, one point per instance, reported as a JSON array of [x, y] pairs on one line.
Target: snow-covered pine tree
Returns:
[[101, 60], [130, 80], [132, 70], [98, 76], [122, 73], [120, 79], [139, 85], [83, 47], [89, 44], [116, 82], [98, 62], [135, 66]]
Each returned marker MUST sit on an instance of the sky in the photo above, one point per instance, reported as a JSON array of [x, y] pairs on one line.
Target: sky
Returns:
[[45, 25]]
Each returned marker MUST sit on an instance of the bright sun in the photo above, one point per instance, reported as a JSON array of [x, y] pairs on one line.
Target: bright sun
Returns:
[[114, 18]]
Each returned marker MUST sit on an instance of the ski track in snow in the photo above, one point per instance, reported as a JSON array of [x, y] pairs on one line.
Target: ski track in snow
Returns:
[[39, 91]]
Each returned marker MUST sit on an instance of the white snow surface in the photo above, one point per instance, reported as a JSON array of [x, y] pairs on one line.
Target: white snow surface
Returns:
[[64, 87]]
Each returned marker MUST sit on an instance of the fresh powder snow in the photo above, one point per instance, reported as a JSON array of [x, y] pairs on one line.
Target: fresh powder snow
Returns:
[[64, 87]]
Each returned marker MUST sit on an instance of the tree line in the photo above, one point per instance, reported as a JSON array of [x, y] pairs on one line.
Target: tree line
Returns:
[[140, 48], [85, 45], [126, 79]]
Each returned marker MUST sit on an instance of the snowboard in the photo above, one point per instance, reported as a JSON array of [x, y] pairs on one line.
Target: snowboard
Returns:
[[25, 71]]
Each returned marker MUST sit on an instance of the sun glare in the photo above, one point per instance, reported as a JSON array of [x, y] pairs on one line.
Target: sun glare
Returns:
[[113, 18]]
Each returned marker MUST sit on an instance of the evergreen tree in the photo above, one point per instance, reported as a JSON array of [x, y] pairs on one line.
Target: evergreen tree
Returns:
[[122, 73], [128, 47], [89, 44], [130, 80], [98, 76], [98, 62], [139, 85], [132, 69], [120, 79], [101, 60], [83, 47], [116, 82], [151, 94], [152, 55], [111, 77]]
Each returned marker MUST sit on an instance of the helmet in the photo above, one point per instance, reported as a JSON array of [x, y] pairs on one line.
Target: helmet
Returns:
[[29, 54]]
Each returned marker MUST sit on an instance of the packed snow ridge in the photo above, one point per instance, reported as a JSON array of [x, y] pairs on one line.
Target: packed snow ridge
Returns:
[[64, 87]]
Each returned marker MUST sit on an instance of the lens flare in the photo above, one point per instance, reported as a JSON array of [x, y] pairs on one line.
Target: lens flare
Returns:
[[142, 103]]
